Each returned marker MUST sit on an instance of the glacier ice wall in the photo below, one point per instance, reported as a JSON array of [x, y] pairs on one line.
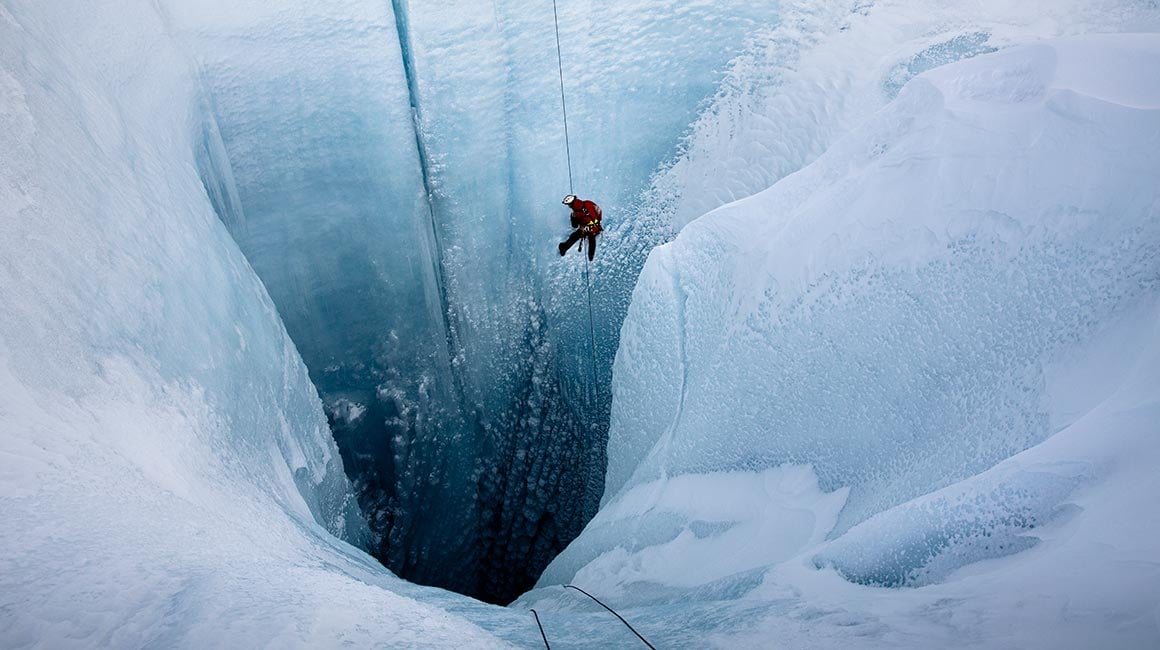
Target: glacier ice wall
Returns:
[[393, 173], [307, 128], [167, 478], [165, 473], [932, 347], [949, 267], [107, 280], [491, 121]]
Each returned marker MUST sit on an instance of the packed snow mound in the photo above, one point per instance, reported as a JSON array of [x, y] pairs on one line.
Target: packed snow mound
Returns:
[[948, 322]]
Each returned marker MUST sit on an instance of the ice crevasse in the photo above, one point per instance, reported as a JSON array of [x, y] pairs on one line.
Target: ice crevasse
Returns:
[[392, 171], [913, 388], [905, 396]]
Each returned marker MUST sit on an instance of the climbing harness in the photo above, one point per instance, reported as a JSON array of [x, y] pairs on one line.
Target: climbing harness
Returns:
[[571, 192]]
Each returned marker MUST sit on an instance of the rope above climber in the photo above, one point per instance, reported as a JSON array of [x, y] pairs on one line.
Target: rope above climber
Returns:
[[586, 216]]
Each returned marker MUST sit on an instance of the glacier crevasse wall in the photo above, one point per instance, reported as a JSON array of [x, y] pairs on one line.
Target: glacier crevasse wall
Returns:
[[927, 359]]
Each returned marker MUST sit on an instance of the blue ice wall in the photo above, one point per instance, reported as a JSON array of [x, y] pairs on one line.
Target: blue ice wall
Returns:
[[634, 75], [309, 153], [393, 173]]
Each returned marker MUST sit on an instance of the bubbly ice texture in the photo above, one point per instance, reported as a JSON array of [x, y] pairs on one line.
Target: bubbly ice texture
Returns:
[[943, 335], [805, 81]]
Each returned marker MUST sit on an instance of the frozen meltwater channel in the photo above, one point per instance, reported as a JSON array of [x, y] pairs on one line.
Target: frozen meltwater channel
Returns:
[[904, 397]]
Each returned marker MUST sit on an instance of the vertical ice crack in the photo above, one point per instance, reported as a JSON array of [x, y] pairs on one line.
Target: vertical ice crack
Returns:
[[447, 313], [667, 439]]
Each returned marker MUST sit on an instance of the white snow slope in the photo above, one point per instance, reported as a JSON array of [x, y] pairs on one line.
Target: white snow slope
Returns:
[[910, 395]]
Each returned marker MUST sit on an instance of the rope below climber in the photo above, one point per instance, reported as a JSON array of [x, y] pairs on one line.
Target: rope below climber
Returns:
[[586, 217]]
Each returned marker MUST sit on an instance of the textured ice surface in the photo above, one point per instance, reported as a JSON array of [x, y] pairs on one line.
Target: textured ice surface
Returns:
[[949, 319], [805, 81], [308, 129], [689, 521], [943, 263], [393, 172]]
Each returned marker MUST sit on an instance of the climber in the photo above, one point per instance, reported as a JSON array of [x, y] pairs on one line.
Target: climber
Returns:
[[586, 221]]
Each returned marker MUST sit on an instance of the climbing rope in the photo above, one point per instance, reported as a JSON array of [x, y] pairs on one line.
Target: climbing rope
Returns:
[[571, 190], [591, 331], [546, 644], [626, 623], [563, 102]]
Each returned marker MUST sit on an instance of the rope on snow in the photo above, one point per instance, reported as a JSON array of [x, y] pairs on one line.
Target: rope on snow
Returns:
[[626, 623], [538, 624]]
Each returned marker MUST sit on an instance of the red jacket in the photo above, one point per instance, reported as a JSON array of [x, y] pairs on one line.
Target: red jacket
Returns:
[[586, 214]]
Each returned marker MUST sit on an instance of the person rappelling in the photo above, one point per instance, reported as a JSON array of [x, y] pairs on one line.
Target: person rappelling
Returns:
[[586, 217]]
